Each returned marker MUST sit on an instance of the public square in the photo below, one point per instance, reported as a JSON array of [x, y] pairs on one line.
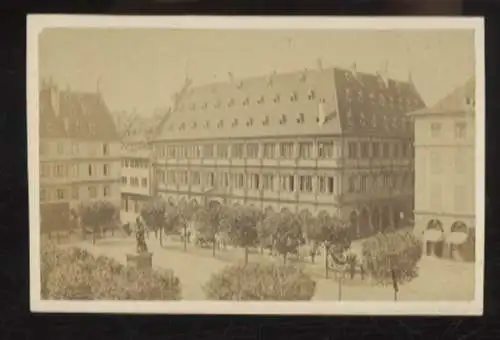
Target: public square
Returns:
[[195, 266]]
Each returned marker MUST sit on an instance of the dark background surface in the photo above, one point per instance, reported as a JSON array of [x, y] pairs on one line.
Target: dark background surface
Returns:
[[16, 322]]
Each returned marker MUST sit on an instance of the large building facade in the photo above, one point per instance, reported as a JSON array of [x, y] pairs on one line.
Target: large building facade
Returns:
[[334, 140], [79, 154], [445, 174]]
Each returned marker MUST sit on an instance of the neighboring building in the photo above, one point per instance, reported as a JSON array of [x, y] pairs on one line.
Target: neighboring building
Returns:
[[137, 186], [79, 153], [332, 139], [445, 173]]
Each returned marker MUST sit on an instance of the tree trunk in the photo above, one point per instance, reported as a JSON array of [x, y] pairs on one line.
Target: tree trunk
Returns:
[[340, 286], [213, 246], [161, 236], [93, 235], [284, 257], [246, 255], [395, 295], [185, 236], [326, 262]]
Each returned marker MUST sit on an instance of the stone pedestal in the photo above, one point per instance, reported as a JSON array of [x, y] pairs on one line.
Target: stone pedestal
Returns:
[[140, 261]]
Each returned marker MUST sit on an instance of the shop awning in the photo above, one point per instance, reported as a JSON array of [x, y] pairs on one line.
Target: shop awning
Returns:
[[457, 238], [433, 235]]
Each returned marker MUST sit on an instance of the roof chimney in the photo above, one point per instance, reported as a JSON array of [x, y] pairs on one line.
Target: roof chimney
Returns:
[[66, 124], [319, 63], [354, 69], [383, 73]]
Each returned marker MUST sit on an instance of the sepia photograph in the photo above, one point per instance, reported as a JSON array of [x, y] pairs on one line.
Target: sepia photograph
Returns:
[[253, 165]]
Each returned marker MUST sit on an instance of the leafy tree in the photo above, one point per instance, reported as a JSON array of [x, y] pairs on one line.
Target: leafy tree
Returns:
[[333, 235], [285, 230], [308, 224], [154, 214], [187, 212], [96, 214], [265, 229], [243, 227], [212, 219], [392, 258], [260, 282]]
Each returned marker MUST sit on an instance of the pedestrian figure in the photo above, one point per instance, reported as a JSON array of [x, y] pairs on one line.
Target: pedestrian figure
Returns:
[[141, 242]]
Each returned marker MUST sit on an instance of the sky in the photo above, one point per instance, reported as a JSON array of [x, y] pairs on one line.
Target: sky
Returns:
[[141, 69]]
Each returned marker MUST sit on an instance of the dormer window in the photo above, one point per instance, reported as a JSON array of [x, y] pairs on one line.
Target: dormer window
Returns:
[[283, 120], [362, 119], [382, 100], [348, 76], [300, 118], [277, 98], [250, 122], [293, 96], [360, 96], [182, 126], [207, 124], [269, 81], [395, 122], [260, 100], [386, 122], [204, 106], [235, 122], [220, 124], [374, 121], [194, 125], [246, 101], [265, 121], [239, 85], [311, 95], [372, 97]]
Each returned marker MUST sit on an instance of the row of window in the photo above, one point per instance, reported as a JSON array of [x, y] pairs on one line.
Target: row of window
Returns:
[[135, 163], [134, 181], [289, 183], [460, 130], [61, 148], [404, 104], [131, 205], [73, 170], [277, 98], [62, 194], [288, 150]]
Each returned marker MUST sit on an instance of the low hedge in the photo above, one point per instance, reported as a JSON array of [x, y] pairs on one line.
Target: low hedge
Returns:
[[260, 282], [74, 274]]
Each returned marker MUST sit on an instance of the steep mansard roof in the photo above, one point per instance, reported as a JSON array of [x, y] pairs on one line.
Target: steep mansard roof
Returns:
[[292, 103], [66, 114]]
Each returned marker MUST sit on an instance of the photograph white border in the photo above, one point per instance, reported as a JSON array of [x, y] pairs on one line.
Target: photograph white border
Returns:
[[36, 23]]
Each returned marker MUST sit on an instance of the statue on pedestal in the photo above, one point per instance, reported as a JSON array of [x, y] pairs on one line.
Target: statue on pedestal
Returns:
[[142, 247]]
